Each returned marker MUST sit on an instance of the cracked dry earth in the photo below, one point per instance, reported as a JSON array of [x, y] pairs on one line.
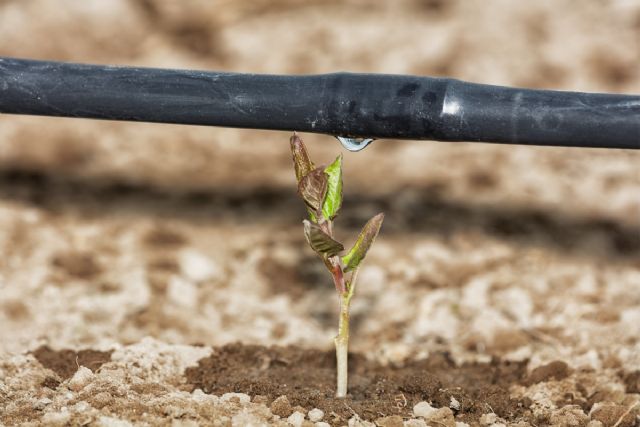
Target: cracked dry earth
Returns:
[[157, 275]]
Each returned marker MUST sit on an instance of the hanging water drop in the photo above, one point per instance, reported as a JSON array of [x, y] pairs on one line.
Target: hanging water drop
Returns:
[[354, 144]]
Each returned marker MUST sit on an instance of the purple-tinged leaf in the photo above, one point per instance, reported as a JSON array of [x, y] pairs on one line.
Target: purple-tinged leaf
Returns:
[[313, 188], [301, 161], [320, 241], [359, 250]]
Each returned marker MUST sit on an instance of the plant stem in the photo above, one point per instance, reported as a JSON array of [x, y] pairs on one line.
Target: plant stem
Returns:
[[342, 346]]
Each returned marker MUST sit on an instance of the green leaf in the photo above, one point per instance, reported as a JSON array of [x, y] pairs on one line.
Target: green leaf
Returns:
[[301, 161], [333, 199], [312, 215], [313, 188], [359, 250], [320, 241]]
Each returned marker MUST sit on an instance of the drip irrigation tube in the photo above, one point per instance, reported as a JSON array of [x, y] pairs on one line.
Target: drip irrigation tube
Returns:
[[340, 104]]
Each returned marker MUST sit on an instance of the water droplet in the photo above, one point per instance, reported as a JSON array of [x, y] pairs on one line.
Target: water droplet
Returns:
[[354, 144]]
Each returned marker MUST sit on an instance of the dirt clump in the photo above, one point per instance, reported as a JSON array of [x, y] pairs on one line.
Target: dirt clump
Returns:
[[66, 362], [291, 376], [79, 265], [610, 414], [556, 370], [632, 381]]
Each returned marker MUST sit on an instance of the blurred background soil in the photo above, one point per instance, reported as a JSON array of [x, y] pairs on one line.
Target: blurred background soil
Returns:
[[113, 232]]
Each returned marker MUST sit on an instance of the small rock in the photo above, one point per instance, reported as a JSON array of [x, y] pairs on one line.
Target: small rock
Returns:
[[442, 417], [56, 418], [197, 266], [236, 398], [454, 404], [611, 414], [80, 379], [281, 407], [488, 419], [461, 424], [40, 404], [423, 409], [296, 419], [315, 414], [415, 423], [594, 423], [81, 406], [322, 424], [391, 421]]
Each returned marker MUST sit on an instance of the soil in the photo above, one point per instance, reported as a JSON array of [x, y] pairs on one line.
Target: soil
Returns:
[[307, 379], [65, 363], [158, 275]]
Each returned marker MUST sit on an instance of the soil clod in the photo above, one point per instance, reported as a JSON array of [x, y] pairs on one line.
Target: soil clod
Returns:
[[65, 363]]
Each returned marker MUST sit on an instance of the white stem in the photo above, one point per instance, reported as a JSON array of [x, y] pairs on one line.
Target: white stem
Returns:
[[342, 352], [342, 348]]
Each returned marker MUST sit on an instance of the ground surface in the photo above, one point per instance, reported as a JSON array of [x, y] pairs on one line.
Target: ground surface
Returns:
[[504, 288]]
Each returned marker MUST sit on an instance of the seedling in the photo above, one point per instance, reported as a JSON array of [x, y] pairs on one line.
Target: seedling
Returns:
[[321, 189]]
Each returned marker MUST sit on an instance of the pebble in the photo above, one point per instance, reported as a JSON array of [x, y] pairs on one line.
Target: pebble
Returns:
[[423, 409], [488, 419], [56, 418], [322, 424], [454, 404], [81, 406], [315, 414], [442, 417], [415, 423], [40, 404], [80, 379], [197, 266], [281, 407], [296, 419]]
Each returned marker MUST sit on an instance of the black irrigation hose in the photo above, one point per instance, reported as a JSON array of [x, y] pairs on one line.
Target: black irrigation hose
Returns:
[[341, 104]]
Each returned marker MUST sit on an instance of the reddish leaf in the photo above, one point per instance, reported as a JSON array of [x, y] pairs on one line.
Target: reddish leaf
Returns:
[[301, 160], [313, 188], [320, 241]]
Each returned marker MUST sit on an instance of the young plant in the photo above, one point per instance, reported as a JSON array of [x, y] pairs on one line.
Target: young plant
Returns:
[[321, 189]]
